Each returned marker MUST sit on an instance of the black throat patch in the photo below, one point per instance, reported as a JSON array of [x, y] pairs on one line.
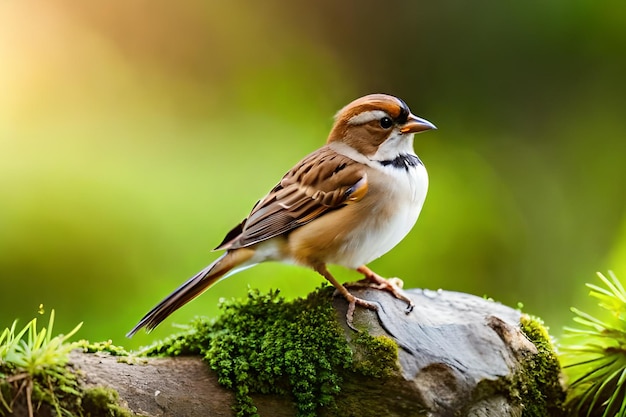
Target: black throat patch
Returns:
[[403, 161]]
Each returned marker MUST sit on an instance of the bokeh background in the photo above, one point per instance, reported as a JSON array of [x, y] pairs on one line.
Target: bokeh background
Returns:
[[134, 135]]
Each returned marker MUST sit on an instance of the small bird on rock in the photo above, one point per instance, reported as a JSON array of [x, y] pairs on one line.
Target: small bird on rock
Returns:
[[347, 203]]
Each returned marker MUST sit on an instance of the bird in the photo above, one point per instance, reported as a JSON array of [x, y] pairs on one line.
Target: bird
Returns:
[[347, 203]]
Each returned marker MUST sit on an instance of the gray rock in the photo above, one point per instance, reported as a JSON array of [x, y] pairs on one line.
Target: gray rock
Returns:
[[459, 355]]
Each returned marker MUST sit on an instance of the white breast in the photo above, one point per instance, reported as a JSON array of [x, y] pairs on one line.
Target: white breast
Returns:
[[404, 200], [400, 195]]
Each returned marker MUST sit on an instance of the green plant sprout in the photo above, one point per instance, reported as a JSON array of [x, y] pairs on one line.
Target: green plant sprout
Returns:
[[595, 356], [32, 363]]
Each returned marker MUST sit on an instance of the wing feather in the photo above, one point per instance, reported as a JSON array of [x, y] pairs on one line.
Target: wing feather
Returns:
[[323, 181]]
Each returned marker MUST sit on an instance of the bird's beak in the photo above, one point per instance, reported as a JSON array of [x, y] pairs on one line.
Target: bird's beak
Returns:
[[416, 124]]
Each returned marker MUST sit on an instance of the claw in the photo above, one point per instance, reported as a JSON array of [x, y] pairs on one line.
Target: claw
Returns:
[[352, 305], [392, 285], [410, 306]]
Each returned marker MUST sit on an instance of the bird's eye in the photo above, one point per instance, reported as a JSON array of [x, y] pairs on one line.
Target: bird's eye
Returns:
[[386, 122]]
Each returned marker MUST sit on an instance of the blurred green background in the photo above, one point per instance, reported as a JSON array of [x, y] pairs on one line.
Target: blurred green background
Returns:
[[134, 135]]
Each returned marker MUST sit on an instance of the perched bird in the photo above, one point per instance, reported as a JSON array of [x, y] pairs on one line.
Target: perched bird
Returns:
[[347, 203]]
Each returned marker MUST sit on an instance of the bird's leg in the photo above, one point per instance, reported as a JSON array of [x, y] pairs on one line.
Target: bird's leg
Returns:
[[378, 282], [352, 300]]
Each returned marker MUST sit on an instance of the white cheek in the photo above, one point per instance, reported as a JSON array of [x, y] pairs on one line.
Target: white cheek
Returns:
[[397, 144]]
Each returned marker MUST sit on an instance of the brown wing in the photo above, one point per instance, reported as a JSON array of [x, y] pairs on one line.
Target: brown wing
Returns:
[[321, 182]]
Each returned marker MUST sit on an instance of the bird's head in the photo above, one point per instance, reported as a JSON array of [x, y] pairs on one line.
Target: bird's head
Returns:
[[377, 126]]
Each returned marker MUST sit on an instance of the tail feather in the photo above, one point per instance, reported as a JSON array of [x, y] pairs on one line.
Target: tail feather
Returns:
[[192, 288]]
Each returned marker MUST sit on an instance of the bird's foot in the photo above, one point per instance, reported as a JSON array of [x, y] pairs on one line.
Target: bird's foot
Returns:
[[352, 303], [392, 285], [352, 300]]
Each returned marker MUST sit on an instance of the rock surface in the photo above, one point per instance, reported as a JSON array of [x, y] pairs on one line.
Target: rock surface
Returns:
[[459, 355]]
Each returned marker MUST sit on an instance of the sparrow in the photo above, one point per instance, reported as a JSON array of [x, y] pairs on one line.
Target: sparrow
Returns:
[[347, 203]]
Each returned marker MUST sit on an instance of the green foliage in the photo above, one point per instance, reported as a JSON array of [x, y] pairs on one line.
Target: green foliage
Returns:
[[595, 354], [33, 362], [39, 352], [33, 369], [269, 346]]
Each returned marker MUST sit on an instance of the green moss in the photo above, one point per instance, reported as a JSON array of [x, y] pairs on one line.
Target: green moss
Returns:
[[539, 385], [103, 402], [106, 347], [374, 356], [269, 346], [59, 395]]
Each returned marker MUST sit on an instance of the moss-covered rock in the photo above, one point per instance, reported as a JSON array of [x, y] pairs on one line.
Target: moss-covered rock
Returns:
[[269, 346], [539, 384], [102, 402], [456, 354], [265, 345], [56, 396]]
